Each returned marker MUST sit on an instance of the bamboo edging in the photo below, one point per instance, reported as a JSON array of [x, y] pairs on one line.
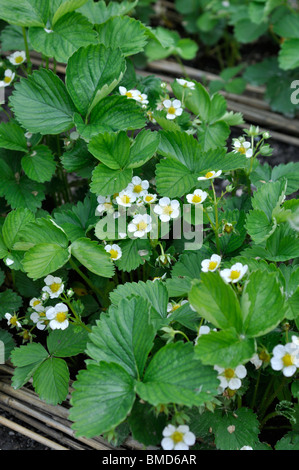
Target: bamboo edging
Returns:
[[51, 420]]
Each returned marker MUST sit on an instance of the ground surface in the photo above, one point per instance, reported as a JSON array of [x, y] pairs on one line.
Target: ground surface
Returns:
[[11, 440]]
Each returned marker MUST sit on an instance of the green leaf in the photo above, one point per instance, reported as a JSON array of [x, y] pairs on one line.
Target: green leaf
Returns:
[[93, 256], [288, 56], [67, 6], [216, 301], [245, 31], [268, 197], [106, 181], [154, 292], [92, 73], [143, 148], [41, 230], [12, 137], [10, 302], [262, 304], [51, 380], [111, 114], [103, 396], [173, 178], [245, 430], [99, 12], [39, 165], [126, 33], [14, 222], [175, 376], [66, 36], [151, 434], [25, 12], [198, 100], [287, 26], [124, 337], [132, 256], [20, 192], [67, 343], [26, 360], [258, 226], [44, 259], [78, 160], [213, 136], [41, 103], [225, 348], [111, 149]]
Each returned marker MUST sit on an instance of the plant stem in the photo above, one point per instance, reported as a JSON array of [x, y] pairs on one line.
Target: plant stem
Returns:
[[256, 388], [272, 398], [87, 280], [29, 64]]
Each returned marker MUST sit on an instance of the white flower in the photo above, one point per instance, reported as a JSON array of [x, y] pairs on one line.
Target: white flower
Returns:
[[48, 31], [256, 361], [9, 75], [210, 175], [125, 198], [28, 135], [105, 205], [173, 108], [9, 261], [114, 250], [285, 358], [231, 378], [142, 98], [12, 320], [54, 286], [17, 58], [40, 318], [58, 317], [149, 198], [246, 447], [173, 306], [177, 438], [210, 264], [138, 187], [36, 304], [132, 94], [167, 209], [140, 225], [203, 330], [243, 147], [197, 197], [185, 83], [235, 273]]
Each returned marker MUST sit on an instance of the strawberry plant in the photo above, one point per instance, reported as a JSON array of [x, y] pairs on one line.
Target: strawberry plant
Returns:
[[143, 253]]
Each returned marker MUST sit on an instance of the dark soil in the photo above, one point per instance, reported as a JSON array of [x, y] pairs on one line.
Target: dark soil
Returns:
[[12, 440]]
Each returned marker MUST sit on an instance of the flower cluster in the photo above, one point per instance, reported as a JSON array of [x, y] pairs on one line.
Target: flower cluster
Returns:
[[134, 95], [286, 357]]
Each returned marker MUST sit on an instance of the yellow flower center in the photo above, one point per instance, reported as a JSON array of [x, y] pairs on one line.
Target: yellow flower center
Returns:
[[55, 287], [141, 226], [212, 264], [229, 373], [287, 360], [148, 198], [113, 254], [177, 437], [60, 317], [7, 79], [196, 199], [209, 174], [107, 205], [129, 94], [167, 210], [13, 320], [234, 275], [175, 307], [171, 110], [125, 199], [242, 149], [36, 302], [137, 188], [19, 59], [42, 314]]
